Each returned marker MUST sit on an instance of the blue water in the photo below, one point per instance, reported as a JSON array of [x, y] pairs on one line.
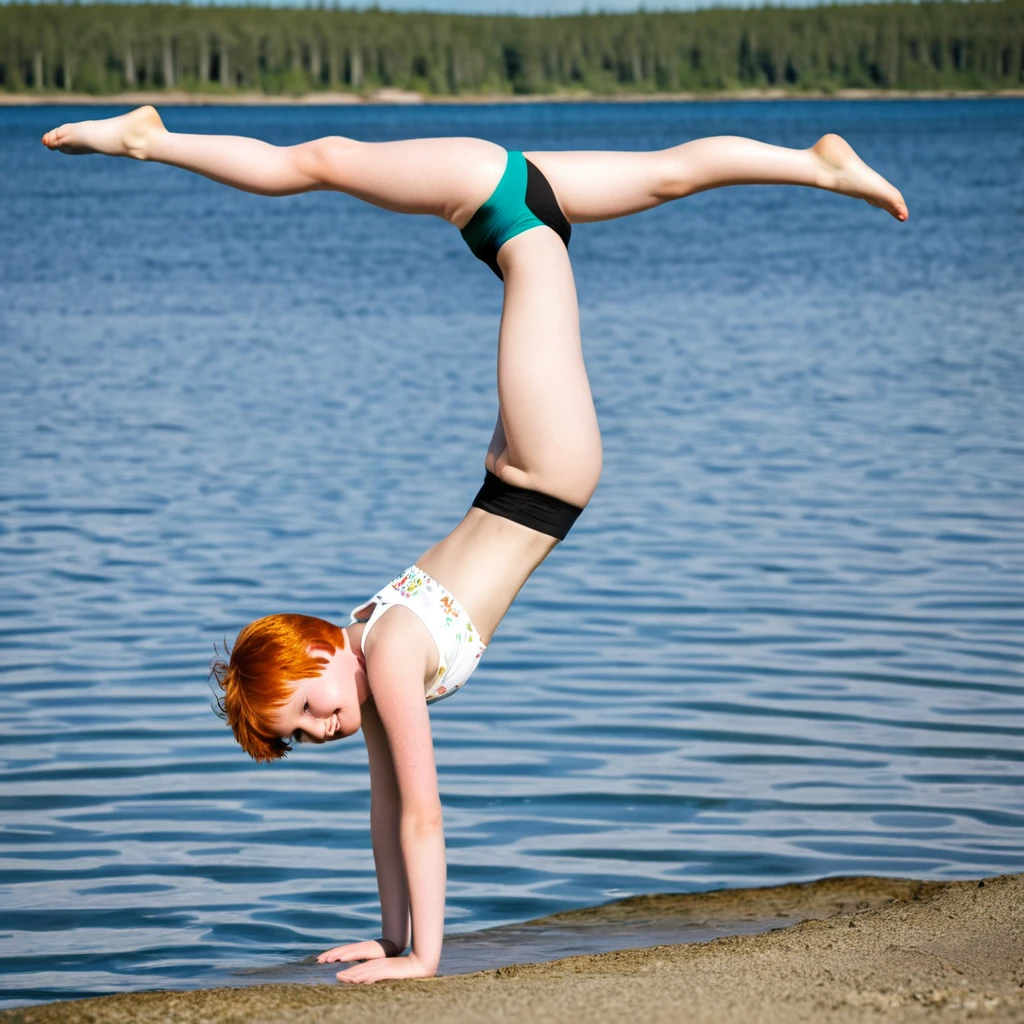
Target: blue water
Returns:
[[784, 642]]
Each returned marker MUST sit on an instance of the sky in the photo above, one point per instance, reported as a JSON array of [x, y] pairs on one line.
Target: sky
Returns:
[[557, 6], [533, 7], [567, 6]]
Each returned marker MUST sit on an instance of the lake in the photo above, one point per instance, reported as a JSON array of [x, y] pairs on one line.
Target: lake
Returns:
[[785, 641]]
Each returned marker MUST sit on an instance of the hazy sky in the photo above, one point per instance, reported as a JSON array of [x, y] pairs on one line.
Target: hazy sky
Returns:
[[562, 6], [534, 6], [557, 6]]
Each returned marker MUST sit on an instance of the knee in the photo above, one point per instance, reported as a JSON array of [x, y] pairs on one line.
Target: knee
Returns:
[[324, 160], [575, 472], [573, 482], [590, 478], [576, 479], [670, 179]]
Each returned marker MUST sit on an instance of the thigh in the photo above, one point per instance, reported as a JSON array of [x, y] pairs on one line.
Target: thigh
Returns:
[[552, 441], [592, 186], [449, 178]]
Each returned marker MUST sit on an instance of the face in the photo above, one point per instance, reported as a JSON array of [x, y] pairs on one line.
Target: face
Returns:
[[325, 707]]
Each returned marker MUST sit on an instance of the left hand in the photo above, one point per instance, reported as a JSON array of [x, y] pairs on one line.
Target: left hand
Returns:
[[380, 970], [375, 949]]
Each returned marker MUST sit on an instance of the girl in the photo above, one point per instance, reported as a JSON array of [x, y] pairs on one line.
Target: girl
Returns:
[[293, 677]]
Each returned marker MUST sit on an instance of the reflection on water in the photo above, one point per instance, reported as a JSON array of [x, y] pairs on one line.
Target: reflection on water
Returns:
[[783, 642], [467, 952]]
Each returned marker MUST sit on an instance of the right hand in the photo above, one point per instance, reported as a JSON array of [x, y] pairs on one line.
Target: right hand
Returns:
[[373, 949]]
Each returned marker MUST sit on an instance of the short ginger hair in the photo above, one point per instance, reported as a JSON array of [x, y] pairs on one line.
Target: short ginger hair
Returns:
[[268, 656]]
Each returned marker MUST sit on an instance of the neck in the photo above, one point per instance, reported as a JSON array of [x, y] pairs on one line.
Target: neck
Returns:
[[354, 643]]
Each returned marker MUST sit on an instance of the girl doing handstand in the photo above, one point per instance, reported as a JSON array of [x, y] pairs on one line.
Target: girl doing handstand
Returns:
[[297, 677]]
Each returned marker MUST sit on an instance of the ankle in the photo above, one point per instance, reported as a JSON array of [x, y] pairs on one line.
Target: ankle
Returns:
[[142, 132], [136, 149], [825, 173]]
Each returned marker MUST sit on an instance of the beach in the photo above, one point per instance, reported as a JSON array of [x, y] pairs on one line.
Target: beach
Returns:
[[874, 949]]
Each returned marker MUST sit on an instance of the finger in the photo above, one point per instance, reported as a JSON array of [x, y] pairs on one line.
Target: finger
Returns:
[[360, 979], [352, 951], [350, 975], [339, 953], [362, 973], [371, 971]]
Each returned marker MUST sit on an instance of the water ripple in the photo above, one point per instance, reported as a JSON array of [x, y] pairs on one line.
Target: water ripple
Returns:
[[783, 642]]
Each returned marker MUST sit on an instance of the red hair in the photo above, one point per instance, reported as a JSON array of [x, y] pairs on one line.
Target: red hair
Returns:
[[269, 654]]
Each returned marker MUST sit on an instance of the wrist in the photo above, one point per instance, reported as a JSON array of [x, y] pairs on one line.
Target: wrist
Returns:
[[429, 964]]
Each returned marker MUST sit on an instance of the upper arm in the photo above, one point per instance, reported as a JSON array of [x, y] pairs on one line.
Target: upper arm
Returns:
[[378, 750], [396, 668]]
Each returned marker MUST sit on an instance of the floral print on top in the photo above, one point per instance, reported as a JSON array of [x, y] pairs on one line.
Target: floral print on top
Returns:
[[459, 646]]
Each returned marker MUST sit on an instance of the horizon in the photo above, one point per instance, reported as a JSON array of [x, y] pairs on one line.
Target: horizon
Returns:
[[523, 8]]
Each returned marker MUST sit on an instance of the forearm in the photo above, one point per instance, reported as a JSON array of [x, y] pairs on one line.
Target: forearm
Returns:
[[391, 882], [422, 840]]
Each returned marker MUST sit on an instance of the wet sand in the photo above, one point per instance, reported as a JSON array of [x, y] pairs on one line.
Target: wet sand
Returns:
[[178, 98], [866, 950]]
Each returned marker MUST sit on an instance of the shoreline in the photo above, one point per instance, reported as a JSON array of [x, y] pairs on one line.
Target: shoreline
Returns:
[[865, 949], [404, 97]]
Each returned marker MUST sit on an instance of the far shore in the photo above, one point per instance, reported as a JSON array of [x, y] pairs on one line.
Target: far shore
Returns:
[[405, 97], [879, 950]]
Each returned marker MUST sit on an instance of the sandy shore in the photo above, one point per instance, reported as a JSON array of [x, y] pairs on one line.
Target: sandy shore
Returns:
[[173, 98], [875, 950]]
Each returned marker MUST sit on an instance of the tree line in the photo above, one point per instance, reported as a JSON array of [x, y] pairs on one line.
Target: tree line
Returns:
[[109, 48]]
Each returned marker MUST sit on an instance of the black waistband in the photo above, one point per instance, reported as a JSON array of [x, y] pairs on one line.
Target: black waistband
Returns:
[[539, 512]]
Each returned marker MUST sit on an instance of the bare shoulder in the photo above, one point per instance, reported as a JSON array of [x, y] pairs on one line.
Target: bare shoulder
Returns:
[[397, 662], [399, 647]]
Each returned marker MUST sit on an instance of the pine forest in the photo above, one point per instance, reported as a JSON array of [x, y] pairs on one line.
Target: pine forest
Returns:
[[109, 48]]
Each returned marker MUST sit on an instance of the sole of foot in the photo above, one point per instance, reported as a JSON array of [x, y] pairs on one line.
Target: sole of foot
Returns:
[[847, 174], [124, 135]]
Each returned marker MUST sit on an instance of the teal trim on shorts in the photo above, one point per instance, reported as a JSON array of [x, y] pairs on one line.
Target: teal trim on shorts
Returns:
[[504, 215]]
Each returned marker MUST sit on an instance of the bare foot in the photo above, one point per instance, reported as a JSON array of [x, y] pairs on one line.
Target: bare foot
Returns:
[[844, 172], [125, 135]]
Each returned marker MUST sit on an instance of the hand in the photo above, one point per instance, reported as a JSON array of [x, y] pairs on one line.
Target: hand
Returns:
[[380, 970], [374, 949]]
